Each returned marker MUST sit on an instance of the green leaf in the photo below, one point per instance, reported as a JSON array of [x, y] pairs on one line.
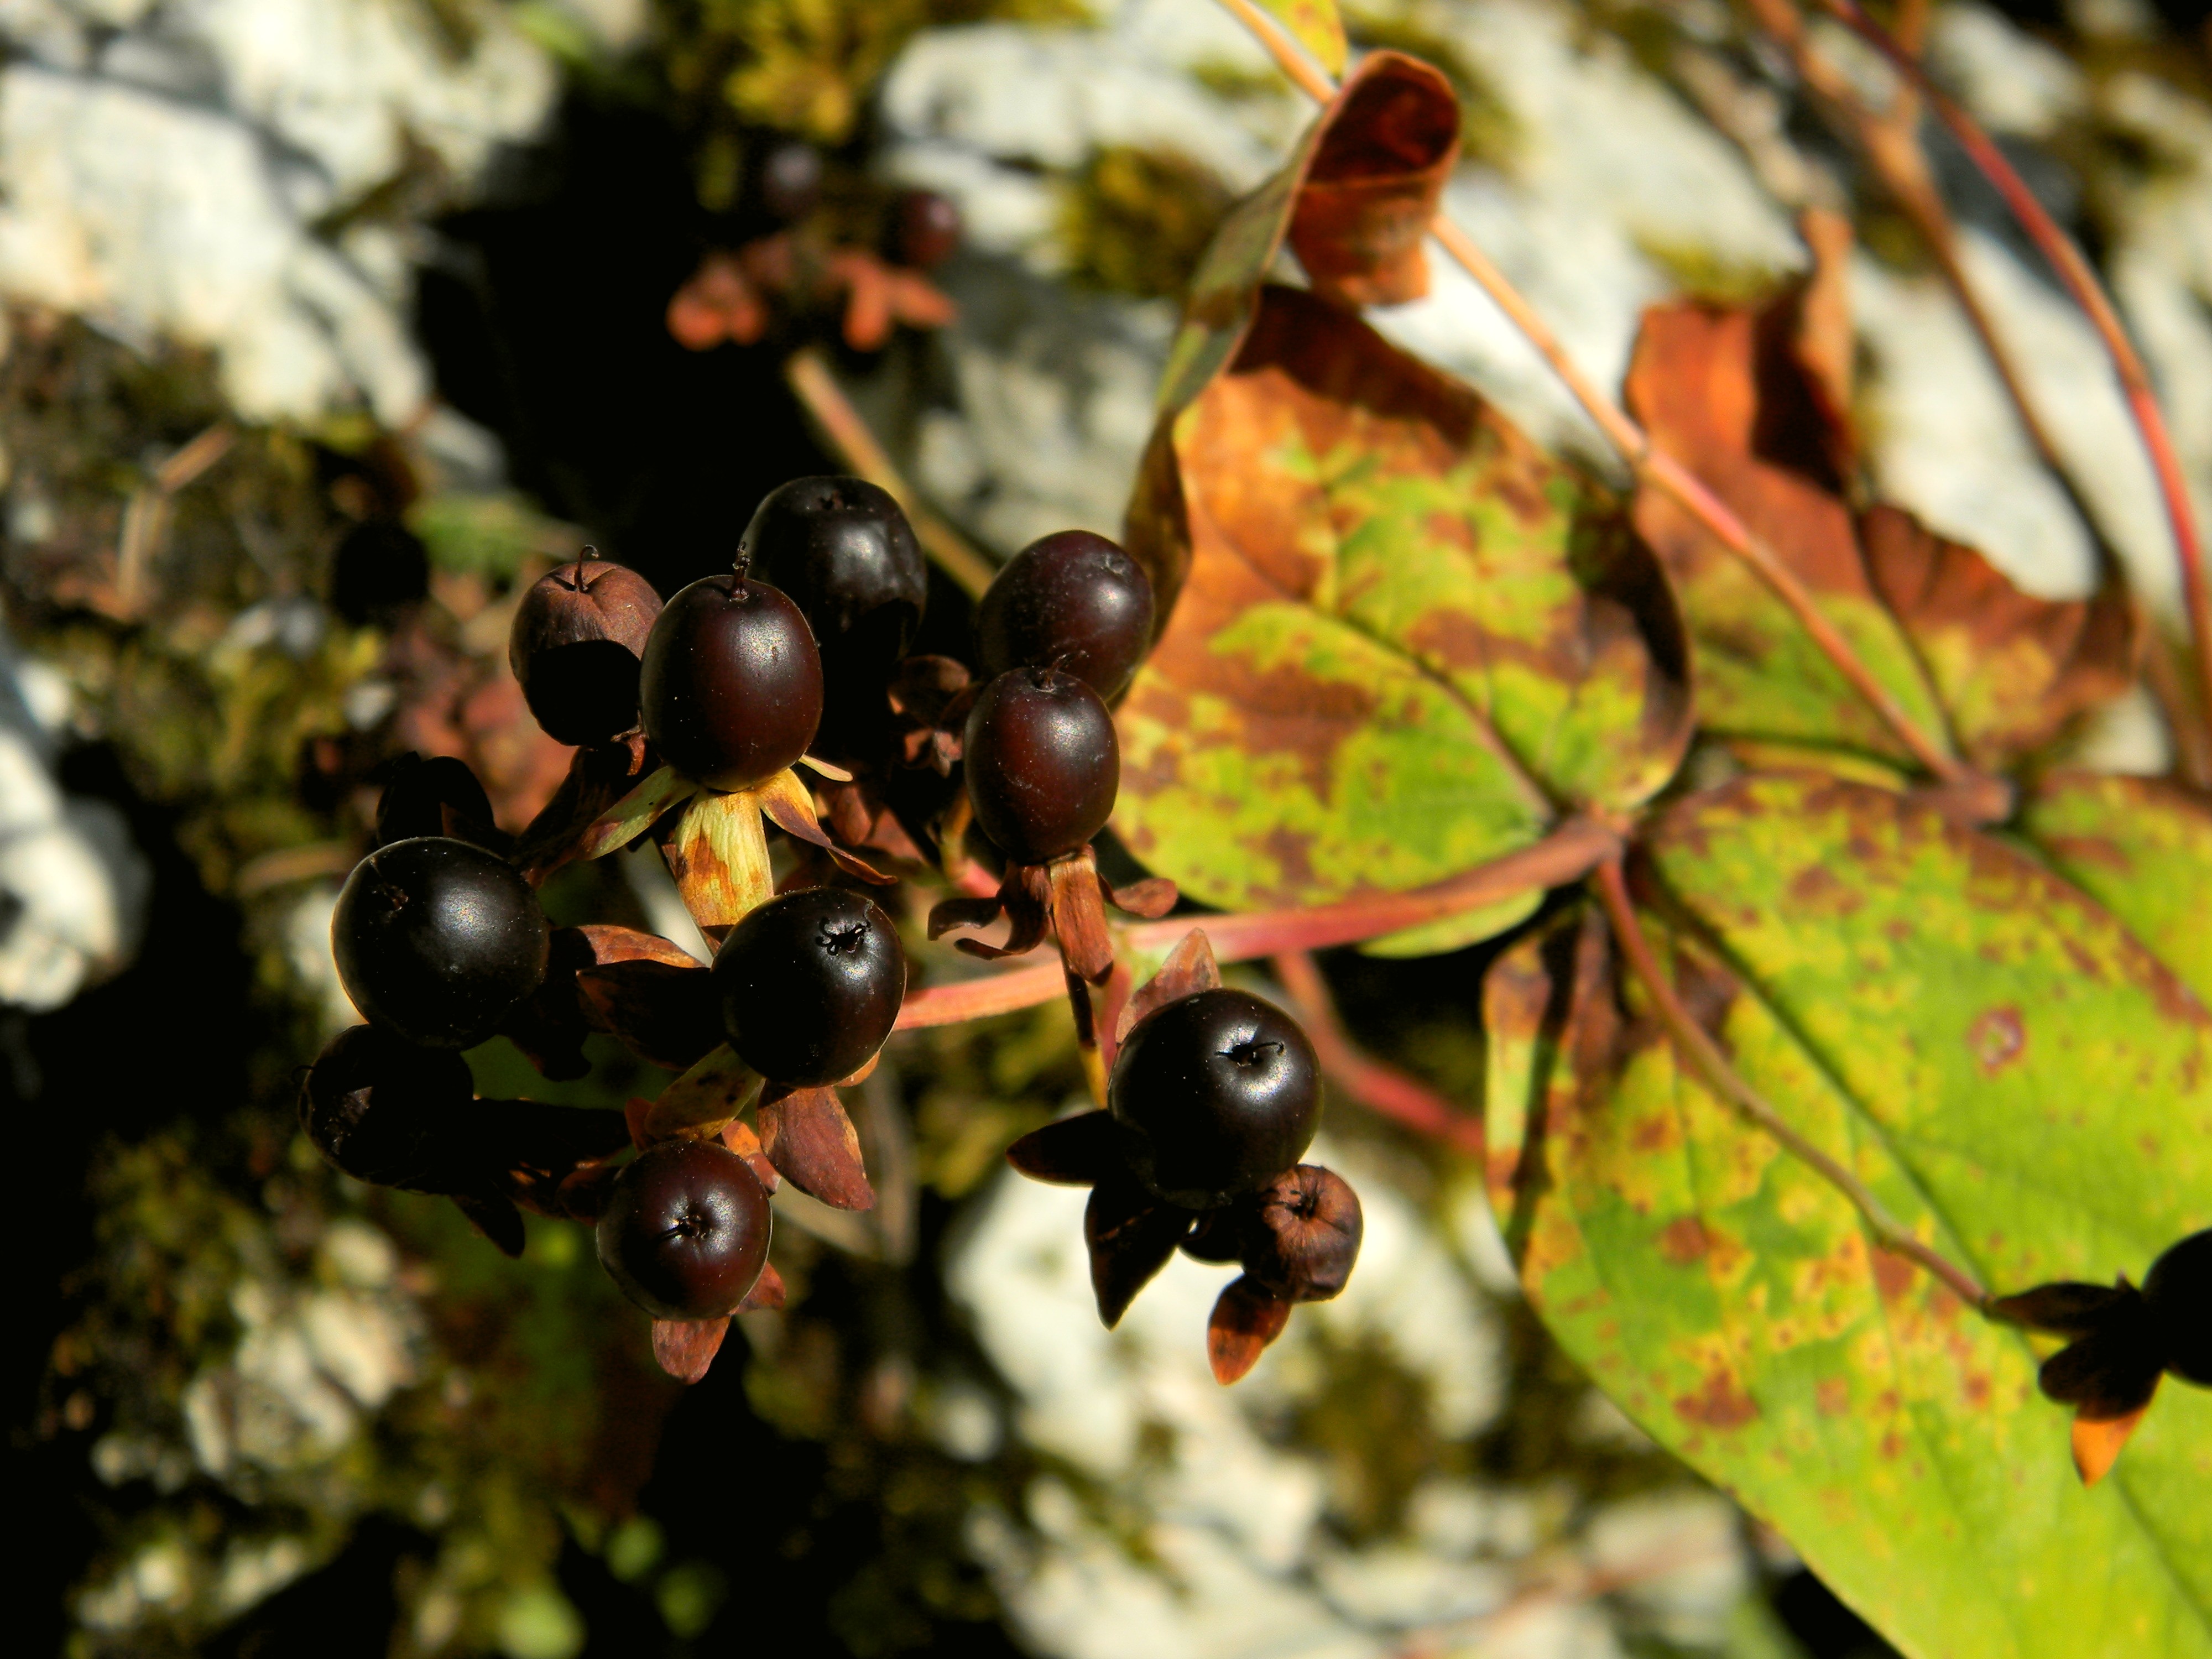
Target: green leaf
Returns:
[[2141, 847], [2011, 1073], [1406, 640]]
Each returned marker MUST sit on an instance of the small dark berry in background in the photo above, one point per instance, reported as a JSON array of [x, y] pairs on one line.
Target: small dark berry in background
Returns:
[[1071, 600], [419, 792], [2179, 1288], [685, 1230], [436, 940], [374, 1106], [575, 647], [810, 985], [1221, 1094], [731, 687], [1042, 763], [379, 570], [924, 229], [844, 552], [788, 184]]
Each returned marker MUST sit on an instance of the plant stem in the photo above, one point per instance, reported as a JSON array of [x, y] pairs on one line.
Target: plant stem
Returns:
[[1381, 1089], [816, 388], [1567, 854], [1649, 463], [2079, 280], [1698, 1046]]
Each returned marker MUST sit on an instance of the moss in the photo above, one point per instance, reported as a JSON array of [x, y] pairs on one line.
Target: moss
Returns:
[[1135, 221]]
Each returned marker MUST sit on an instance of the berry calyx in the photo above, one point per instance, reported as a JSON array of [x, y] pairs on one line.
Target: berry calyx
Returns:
[[575, 645], [731, 684], [1074, 600], [374, 1106], [436, 940], [810, 985], [416, 801], [1221, 1093], [2179, 1289], [1042, 763], [685, 1230], [844, 553]]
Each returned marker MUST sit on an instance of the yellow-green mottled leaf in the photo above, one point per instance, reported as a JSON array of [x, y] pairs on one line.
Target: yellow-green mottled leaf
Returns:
[[1405, 643], [2014, 1076]]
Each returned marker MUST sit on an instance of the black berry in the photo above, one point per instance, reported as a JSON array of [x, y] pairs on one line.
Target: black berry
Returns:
[[375, 1107], [2179, 1288], [1074, 600], [1220, 1094], [575, 645], [811, 984], [924, 229], [844, 552], [1042, 763], [436, 940], [685, 1230], [731, 687]]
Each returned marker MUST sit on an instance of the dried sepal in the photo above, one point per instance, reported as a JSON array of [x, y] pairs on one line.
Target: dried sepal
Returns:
[[2108, 1373], [684, 1348], [787, 804], [810, 1141], [1218, 1236], [1076, 1152], [598, 779], [664, 1014], [702, 1100], [2096, 1441], [717, 850], [550, 1025], [1247, 1317], [527, 1149], [1064, 897], [767, 1292], [1149, 899], [494, 1215], [2065, 1308], [929, 698], [1131, 1234], [740, 1138], [1078, 910], [1190, 968], [1304, 1234]]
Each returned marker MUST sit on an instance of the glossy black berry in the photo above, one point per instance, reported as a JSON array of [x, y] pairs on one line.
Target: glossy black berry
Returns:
[[378, 1108], [811, 984], [1219, 1092], [924, 229], [436, 940], [844, 552], [730, 688], [419, 793], [1042, 763], [2179, 1288], [1072, 599], [685, 1230], [575, 647]]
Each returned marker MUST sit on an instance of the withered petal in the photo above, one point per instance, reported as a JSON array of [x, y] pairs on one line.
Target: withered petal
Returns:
[[684, 1348], [813, 1145], [1246, 1318], [1131, 1234], [1076, 1152]]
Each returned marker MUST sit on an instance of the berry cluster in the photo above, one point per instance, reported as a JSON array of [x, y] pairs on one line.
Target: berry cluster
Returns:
[[688, 719]]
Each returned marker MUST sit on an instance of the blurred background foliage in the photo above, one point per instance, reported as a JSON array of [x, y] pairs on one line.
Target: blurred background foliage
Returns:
[[259, 1409]]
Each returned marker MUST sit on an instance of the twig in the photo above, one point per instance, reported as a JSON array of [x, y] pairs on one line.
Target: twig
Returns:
[[1381, 1089], [816, 388], [2080, 281], [1567, 854], [1654, 466], [1696, 1045]]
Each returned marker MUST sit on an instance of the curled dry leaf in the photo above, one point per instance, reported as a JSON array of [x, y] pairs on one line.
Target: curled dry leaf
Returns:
[[550, 1025], [1246, 1318], [1131, 1234], [812, 1143], [576, 822], [685, 1348], [1405, 634], [1362, 216], [664, 1014]]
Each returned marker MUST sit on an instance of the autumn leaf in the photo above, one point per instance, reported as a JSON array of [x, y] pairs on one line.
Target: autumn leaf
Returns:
[[1407, 640], [2014, 1076]]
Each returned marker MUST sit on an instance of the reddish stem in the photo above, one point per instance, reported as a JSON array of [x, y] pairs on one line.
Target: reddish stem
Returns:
[[1381, 1089], [2079, 280], [1567, 854]]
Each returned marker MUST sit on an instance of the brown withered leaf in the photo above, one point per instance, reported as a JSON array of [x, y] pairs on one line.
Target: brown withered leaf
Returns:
[[597, 777], [767, 1292], [1131, 1234], [664, 1014], [812, 1143], [684, 1348], [1075, 1151], [1362, 216], [550, 1025], [701, 1100], [1247, 1317], [1747, 398], [2013, 671], [740, 1138]]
